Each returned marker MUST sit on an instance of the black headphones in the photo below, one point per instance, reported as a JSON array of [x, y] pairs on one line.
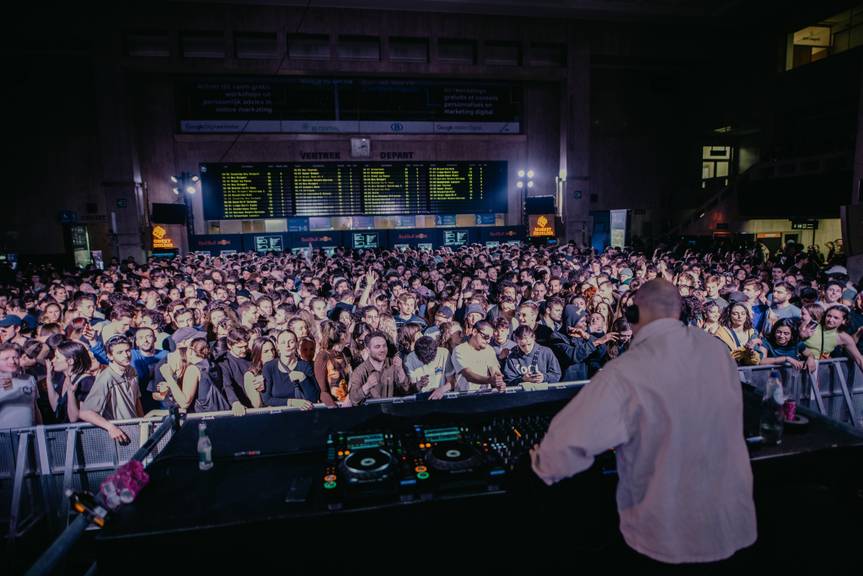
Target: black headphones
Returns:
[[631, 313]]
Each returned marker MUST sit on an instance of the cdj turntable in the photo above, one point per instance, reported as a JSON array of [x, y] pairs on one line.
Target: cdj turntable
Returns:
[[361, 465], [458, 458], [424, 461]]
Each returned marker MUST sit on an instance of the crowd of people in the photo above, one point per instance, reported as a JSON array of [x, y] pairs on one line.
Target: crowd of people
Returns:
[[308, 330]]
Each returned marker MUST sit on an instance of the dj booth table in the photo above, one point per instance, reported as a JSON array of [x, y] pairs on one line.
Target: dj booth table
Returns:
[[281, 491]]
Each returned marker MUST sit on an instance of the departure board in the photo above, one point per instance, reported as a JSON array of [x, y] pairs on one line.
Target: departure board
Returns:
[[391, 189], [451, 186], [251, 191], [245, 192], [326, 190]]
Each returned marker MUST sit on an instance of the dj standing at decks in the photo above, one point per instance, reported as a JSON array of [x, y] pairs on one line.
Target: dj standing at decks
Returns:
[[672, 409]]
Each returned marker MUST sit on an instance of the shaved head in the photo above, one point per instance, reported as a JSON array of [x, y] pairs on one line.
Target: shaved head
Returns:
[[658, 299]]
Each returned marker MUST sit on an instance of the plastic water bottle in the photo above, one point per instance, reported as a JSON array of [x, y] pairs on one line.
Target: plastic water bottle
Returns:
[[772, 411], [205, 448]]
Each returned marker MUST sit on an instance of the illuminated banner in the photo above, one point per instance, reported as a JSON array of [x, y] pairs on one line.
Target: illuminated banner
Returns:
[[415, 237], [161, 240], [216, 244], [541, 226], [316, 239], [225, 104], [502, 233]]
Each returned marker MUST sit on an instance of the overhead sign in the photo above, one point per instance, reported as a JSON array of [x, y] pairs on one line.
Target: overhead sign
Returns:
[[804, 224], [813, 36]]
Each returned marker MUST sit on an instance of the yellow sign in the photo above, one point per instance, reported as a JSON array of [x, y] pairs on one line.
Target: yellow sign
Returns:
[[161, 240], [540, 225], [813, 36]]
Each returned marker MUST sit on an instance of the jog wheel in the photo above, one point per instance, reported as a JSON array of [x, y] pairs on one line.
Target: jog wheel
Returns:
[[453, 457], [367, 465]]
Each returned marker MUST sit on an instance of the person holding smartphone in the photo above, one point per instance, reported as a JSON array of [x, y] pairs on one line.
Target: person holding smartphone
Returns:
[[530, 363]]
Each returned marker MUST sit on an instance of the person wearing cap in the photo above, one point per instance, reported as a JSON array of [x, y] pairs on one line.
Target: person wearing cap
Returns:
[[442, 315], [115, 394], [625, 275], [646, 406], [243, 296], [10, 327], [473, 313]]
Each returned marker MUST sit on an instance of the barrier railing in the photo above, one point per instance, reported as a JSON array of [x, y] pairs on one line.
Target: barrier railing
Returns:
[[62, 546], [38, 465], [834, 390]]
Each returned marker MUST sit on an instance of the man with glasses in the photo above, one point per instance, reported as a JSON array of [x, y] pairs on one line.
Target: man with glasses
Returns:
[[530, 363], [115, 394], [475, 363]]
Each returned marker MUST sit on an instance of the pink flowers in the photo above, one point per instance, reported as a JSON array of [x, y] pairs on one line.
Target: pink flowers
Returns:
[[124, 485]]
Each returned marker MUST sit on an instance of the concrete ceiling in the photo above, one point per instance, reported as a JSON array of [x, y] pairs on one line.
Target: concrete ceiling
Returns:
[[528, 8]]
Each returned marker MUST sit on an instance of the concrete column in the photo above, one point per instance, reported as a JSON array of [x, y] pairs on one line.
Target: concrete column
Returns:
[[575, 140], [116, 178]]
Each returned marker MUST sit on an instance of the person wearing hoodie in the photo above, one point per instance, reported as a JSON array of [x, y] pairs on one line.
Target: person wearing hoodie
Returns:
[[530, 363], [573, 345]]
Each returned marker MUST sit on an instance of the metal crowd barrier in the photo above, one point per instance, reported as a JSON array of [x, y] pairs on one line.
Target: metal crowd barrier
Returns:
[[38, 465], [835, 390], [60, 549]]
